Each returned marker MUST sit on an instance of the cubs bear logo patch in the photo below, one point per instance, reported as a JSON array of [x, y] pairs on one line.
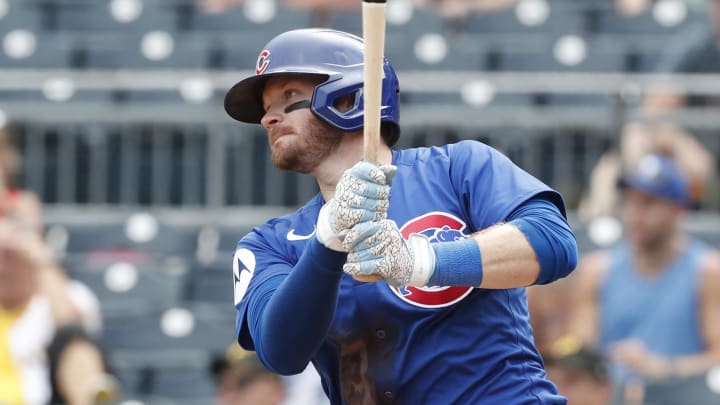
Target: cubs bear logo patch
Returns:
[[439, 227]]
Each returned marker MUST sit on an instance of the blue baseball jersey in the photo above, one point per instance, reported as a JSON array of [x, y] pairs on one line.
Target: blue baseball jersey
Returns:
[[434, 345]]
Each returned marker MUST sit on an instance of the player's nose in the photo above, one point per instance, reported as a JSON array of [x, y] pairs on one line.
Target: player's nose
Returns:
[[271, 118]]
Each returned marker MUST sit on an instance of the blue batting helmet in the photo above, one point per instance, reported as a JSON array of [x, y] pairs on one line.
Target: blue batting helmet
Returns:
[[336, 55]]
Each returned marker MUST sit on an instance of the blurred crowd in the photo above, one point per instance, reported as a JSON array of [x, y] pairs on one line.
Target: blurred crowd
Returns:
[[49, 324], [639, 321]]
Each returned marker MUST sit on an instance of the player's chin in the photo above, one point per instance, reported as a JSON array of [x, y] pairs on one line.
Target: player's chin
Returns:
[[291, 161]]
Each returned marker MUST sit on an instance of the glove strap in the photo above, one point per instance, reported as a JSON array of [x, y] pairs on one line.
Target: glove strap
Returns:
[[325, 234], [424, 263]]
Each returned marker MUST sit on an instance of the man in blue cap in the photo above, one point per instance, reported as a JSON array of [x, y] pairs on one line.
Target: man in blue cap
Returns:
[[651, 303]]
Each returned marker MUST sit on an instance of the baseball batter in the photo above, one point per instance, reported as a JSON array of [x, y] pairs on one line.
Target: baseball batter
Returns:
[[454, 233]]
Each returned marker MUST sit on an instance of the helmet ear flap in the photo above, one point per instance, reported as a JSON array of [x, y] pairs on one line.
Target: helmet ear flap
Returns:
[[390, 132]]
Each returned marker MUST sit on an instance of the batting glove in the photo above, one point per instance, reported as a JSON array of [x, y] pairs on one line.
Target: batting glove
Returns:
[[361, 195], [378, 248]]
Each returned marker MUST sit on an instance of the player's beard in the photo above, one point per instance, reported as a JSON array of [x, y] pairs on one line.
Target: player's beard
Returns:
[[306, 151]]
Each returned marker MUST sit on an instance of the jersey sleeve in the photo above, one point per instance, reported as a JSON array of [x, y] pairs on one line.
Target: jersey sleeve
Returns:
[[258, 258], [490, 186]]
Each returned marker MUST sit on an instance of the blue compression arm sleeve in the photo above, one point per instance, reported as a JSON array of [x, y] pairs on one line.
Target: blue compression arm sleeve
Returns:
[[289, 316], [550, 236]]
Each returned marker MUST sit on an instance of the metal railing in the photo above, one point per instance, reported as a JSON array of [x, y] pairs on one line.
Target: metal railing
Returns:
[[183, 154]]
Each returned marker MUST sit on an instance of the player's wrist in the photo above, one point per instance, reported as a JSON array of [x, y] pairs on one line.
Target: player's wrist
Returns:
[[663, 368], [457, 263], [325, 233]]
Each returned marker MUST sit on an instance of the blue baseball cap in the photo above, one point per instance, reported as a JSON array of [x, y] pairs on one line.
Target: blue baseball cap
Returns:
[[657, 176]]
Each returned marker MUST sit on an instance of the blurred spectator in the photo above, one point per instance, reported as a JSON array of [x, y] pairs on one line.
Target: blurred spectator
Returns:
[[47, 321], [637, 140], [14, 202], [323, 5], [218, 6], [46, 352], [243, 380], [579, 371], [652, 303], [630, 8], [695, 50], [549, 307], [321, 9]]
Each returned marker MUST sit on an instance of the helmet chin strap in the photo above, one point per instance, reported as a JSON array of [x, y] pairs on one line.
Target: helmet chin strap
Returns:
[[299, 105]]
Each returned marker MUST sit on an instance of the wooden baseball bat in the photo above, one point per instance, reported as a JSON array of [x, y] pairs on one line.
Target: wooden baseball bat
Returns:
[[373, 23], [373, 14]]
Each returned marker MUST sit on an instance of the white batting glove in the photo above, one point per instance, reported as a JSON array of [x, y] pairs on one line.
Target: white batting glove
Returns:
[[379, 248], [361, 195]]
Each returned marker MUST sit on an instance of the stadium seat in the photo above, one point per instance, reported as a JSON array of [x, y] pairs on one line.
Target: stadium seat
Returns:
[[524, 58], [90, 236], [174, 239], [158, 237], [180, 328], [142, 371], [124, 52], [607, 20], [236, 20], [96, 16], [130, 380], [421, 21], [559, 21], [231, 234], [183, 383], [20, 15], [461, 53], [580, 100], [148, 283], [212, 283], [50, 52], [243, 54], [644, 56]]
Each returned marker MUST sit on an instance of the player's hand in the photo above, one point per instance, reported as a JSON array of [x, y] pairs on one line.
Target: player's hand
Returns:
[[378, 248], [635, 355], [361, 195], [22, 247]]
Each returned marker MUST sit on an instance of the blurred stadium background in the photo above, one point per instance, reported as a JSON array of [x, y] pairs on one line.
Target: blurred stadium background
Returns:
[[116, 106]]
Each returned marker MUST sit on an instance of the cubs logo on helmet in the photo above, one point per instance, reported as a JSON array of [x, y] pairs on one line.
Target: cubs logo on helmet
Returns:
[[263, 61], [439, 227]]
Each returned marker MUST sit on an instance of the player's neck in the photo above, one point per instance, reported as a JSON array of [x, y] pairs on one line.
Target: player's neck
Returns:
[[653, 258], [348, 153]]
